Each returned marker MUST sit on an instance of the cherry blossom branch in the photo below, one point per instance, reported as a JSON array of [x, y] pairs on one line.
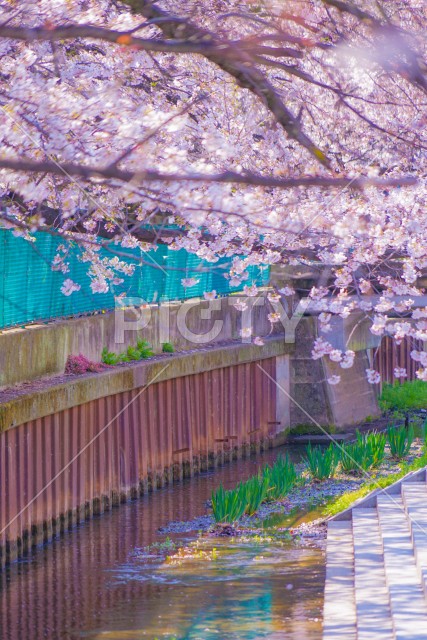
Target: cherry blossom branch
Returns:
[[229, 177], [125, 38], [105, 244], [68, 32]]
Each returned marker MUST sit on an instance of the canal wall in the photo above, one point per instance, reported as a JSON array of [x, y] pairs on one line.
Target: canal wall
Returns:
[[74, 446], [75, 449]]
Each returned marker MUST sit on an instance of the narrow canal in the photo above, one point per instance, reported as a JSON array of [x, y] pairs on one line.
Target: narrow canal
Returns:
[[96, 583]]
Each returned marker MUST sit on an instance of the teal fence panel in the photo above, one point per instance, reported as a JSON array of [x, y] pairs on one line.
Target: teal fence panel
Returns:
[[31, 291]]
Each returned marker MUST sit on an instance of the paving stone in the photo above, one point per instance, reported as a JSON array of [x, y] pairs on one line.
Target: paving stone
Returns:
[[372, 599], [407, 602], [340, 606], [376, 574], [415, 501]]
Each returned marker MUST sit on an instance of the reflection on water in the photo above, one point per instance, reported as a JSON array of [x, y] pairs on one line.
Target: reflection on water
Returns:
[[93, 583], [293, 518]]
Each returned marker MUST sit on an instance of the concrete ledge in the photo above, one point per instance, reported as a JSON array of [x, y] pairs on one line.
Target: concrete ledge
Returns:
[[321, 439], [39, 403]]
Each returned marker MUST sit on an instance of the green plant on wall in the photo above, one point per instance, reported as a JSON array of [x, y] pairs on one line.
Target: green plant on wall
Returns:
[[167, 347], [310, 429], [131, 353], [144, 349], [140, 352], [109, 357]]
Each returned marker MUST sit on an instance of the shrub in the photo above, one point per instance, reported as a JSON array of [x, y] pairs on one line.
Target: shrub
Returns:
[[255, 493], [167, 347], [322, 463], [228, 506], [140, 352], [77, 365], [280, 477], [406, 396], [400, 441]]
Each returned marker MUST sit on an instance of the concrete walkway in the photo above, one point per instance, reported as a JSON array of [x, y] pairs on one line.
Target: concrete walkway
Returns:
[[376, 571]]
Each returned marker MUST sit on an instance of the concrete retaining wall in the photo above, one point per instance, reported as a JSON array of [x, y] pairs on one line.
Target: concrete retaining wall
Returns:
[[41, 350], [313, 400]]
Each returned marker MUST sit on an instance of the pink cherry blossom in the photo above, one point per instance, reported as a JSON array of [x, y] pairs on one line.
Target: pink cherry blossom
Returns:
[[189, 282], [373, 376], [121, 144], [400, 372], [251, 290], [335, 355], [240, 305], [287, 291], [68, 287]]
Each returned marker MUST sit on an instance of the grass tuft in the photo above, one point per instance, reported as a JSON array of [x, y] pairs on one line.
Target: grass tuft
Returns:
[[255, 493], [228, 506], [322, 463], [368, 451], [167, 347], [280, 478], [400, 440], [347, 499]]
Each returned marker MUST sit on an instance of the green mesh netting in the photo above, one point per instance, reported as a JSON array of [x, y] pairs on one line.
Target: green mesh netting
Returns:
[[30, 291]]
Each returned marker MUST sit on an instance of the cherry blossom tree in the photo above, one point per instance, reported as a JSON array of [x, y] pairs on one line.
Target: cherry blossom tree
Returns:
[[266, 132]]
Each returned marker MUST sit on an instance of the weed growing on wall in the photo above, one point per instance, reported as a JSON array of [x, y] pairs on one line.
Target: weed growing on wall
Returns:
[[140, 352]]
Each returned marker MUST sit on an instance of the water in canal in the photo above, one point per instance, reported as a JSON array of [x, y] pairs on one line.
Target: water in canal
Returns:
[[94, 584]]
